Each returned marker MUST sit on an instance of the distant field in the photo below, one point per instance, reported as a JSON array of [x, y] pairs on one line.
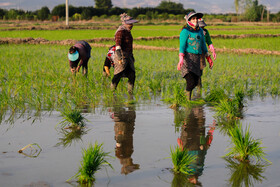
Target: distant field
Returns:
[[138, 31], [271, 44]]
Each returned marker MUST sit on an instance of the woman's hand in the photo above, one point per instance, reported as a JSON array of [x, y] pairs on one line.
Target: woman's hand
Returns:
[[210, 61], [212, 49], [181, 61]]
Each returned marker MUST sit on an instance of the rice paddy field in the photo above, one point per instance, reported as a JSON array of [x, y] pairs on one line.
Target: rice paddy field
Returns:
[[138, 131]]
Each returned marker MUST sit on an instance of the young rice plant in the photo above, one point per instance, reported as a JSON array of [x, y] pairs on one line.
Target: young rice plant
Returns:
[[244, 146], [92, 160], [182, 160]]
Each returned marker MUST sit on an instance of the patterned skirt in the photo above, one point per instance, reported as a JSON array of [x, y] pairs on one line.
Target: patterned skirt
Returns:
[[191, 64], [128, 60]]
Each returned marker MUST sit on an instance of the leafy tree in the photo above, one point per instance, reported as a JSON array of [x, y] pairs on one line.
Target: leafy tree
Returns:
[[43, 13], [12, 14], [2, 12], [86, 14], [253, 11], [59, 10], [170, 5], [103, 4]]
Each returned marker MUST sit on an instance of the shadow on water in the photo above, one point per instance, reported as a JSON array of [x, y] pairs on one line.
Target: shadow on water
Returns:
[[195, 139], [124, 118], [244, 173]]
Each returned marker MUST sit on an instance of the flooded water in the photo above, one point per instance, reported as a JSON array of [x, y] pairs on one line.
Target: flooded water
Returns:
[[139, 138]]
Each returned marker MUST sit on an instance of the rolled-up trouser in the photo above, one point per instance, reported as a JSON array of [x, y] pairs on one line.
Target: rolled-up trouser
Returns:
[[192, 81], [127, 72]]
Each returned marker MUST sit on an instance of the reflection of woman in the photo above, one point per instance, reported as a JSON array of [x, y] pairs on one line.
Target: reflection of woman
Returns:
[[192, 45], [124, 128], [194, 139]]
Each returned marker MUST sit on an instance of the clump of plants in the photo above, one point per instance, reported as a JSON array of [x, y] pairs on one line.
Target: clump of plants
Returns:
[[215, 96], [244, 146], [230, 108], [73, 119], [92, 160], [182, 160], [179, 97]]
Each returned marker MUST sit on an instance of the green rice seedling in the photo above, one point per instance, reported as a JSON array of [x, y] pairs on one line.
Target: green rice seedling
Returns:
[[215, 95], [92, 160], [244, 173], [239, 99], [244, 146], [73, 118], [231, 108], [182, 160], [179, 97], [227, 109]]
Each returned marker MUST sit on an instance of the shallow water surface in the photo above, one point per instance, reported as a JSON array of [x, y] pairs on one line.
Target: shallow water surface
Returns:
[[139, 138]]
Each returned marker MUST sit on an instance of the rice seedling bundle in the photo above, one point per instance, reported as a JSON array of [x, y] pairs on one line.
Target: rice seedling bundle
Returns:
[[244, 146]]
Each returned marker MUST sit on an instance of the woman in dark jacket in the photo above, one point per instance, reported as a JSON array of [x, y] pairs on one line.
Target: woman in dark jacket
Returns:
[[78, 56]]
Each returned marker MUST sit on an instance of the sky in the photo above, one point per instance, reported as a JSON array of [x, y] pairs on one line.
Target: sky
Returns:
[[204, 6]]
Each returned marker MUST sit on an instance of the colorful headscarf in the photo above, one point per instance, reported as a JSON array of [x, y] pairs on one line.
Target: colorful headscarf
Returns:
[[126, 19]]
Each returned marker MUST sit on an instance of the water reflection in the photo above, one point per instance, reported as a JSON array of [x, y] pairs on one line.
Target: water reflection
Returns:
[[124, 127], [11, 116], [244, 173], [69, 136], [195, 139]]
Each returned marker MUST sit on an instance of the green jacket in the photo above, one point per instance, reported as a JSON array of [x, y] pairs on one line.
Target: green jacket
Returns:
[[207, 37], [192, 41]]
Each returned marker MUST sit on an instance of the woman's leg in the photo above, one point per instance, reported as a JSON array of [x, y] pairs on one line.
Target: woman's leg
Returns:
[[192, 81], [115, 81], [131, 80]]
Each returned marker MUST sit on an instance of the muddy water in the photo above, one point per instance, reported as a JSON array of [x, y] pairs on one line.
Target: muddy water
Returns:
[[139, 138]]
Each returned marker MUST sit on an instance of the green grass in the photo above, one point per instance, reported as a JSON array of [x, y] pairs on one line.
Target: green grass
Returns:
[[244, 146], [93, 159], [182, 160]]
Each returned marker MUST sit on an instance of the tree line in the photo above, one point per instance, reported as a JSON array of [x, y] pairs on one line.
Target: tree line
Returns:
[[165, 10]]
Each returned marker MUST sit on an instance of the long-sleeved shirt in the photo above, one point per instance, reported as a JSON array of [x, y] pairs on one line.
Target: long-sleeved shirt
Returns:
[[124, 39], [207, 37], [192, 41], [84, 50]]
